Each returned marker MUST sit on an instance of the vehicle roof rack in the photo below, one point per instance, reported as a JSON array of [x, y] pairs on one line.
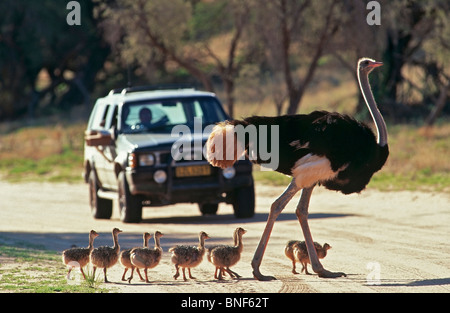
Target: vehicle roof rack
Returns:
[[151, 88]]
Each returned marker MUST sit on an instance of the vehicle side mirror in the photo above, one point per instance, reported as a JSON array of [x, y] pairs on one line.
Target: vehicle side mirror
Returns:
[[96, 138], [114, 132]]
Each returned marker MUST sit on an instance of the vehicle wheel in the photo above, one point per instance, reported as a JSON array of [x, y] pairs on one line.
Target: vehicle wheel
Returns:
[[244, 202], [130, 206], [100, 208], [208, 208]]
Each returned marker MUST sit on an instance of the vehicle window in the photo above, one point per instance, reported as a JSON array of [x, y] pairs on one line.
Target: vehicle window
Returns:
[[161, 116], [114, 117], [99, 120]]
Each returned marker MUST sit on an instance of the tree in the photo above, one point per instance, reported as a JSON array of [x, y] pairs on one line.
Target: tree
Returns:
[[296, 31], [412, 41], [36, 38], [182, 32]]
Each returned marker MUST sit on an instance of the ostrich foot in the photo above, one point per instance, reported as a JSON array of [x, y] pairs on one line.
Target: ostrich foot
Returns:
[[257, 274], [327, 274]]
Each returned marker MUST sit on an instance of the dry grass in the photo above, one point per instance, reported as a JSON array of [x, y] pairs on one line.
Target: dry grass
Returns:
[[419, 148], [53, 153]]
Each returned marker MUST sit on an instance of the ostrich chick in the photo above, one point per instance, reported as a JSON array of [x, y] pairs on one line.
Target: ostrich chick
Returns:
[[146, 258], [296, 251], [225, 256], [106, 257], [188, 256], [75, 257], [124, 259]]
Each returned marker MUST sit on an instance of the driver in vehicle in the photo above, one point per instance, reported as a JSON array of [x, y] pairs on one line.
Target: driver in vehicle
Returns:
[[145, 115]]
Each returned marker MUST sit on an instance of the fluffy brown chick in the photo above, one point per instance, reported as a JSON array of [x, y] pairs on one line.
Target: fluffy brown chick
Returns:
[[106, 257], [188, 256], [147, 258], [296, 251], [79, 257], [223, 257], [124, 259]]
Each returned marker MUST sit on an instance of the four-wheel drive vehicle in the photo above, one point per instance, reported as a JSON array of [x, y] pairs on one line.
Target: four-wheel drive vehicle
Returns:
[[144, 147]]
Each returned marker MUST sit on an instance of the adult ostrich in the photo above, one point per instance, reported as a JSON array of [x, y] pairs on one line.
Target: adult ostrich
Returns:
[[330, 149]]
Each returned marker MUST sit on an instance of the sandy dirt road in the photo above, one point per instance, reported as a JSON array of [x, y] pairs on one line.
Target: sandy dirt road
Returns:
[[384, 241]]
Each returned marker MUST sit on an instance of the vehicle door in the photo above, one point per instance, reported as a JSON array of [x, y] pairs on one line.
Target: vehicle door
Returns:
[[104, 158], [110, 152]]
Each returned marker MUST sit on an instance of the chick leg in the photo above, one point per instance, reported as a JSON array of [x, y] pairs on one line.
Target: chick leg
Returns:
[[177, 274], [139, 273], [215, 272], [146, 275], [82, 272], [131, 276], [275, 210], [104, 272], [293, 267], [232, 274], [68, 273], [220, 273], [190, 275], [124, 272], [305, 268], [302, 215]]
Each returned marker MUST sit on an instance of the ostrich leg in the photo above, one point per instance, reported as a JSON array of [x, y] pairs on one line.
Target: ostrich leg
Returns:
[[275, 210], [302, 214]]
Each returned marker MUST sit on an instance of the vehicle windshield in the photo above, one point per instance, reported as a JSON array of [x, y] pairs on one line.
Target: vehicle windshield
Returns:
[[160, 116]]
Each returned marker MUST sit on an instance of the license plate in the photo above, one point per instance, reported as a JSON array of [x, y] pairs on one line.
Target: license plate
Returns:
[[189, 171]]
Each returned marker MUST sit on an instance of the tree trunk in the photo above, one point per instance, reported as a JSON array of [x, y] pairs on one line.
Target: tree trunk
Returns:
[[440, 104]]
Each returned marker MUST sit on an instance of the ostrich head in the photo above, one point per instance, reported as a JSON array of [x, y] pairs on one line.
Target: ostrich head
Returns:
[[366, 65], [116, 231], [94, 234]]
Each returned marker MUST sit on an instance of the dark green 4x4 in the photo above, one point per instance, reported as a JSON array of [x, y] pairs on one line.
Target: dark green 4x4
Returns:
[[144, 147]]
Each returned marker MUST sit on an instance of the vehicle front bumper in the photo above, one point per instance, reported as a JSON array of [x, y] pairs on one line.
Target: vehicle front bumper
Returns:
[[207, 189]]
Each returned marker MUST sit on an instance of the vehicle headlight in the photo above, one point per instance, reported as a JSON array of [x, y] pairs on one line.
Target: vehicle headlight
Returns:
[[160, 176], [146, 159], [132, 160], [229, 172]]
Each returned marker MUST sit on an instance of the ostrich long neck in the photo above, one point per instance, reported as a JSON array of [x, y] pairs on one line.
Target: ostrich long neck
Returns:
[[240, 245], [373, 109], [201, 245], [91, 243], [116, 242], [157, 243], [146, 239]]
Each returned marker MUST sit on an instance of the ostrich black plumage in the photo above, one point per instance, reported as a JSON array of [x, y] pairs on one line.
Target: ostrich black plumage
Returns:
[[330, 149]]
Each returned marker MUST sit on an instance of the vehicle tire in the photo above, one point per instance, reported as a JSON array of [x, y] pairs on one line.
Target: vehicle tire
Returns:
[[130, 206], [244, 202], [208, 208], [100, 208]]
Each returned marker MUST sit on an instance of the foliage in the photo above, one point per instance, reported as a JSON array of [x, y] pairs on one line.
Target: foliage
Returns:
[[44, 62], [47, 65]]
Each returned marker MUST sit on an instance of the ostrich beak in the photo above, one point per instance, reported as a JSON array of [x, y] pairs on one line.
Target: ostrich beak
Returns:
[[375, 64]]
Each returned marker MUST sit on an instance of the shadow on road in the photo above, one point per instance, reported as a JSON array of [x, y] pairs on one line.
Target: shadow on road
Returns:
[[230, 219]]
